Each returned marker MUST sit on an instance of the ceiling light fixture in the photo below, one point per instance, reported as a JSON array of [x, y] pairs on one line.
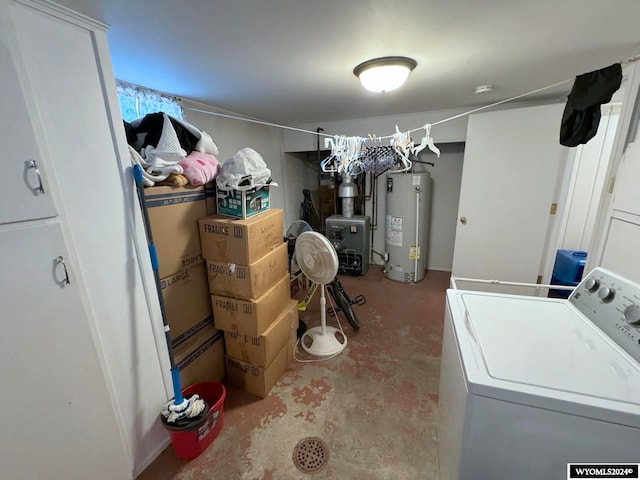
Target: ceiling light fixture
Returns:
[[384, 74]]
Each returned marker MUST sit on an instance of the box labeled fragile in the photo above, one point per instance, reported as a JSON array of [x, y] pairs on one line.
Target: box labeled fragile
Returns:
[[263, 349], [251, 317], [225, 239], [248, 281], [242, 203], [255, 379]]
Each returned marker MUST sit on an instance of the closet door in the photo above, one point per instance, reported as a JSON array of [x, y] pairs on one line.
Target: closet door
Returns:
[[24, 189], [58, 419]]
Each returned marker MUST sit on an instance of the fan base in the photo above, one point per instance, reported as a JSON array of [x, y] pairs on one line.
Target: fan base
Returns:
[[323, 345]]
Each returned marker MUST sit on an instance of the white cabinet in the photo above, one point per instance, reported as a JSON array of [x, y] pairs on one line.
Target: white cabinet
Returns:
[[63, 417], [58, 422], [25, 193], [627, 193], [621, 253]]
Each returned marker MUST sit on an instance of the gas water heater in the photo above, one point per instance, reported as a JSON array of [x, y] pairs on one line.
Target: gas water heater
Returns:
[[406, 224]]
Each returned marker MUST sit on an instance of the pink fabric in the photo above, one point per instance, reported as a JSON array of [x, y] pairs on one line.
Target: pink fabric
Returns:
[[200, 168]]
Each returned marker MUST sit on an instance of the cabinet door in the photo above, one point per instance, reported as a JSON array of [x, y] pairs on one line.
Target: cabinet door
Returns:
[[59, 421], [25, 193]]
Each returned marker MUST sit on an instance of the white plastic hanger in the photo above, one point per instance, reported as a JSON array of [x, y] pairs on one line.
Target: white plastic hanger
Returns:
[[328, 164], [401, 142], [427, 141]]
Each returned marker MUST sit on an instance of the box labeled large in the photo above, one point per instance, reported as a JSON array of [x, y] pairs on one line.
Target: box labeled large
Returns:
[[200, 358], [173, 215], [251, 317], [254, 379], [187, 304], [248, 281], [263, 349], [224, 239], [242, 203]]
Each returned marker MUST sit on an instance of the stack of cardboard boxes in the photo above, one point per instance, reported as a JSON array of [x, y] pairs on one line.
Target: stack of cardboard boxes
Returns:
[[247, 268], [197, 345]]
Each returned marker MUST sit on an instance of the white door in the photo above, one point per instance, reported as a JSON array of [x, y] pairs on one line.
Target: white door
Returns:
[[58, 419], [510, 176], [22, 163]]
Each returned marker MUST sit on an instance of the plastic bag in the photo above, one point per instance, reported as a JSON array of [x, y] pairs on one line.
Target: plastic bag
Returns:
[[245, 170]]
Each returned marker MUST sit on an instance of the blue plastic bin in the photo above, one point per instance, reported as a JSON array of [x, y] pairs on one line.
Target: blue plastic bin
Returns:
[[568, 270]]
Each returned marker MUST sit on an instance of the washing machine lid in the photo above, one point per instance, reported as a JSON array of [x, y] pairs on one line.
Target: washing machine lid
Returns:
[[522, 348]]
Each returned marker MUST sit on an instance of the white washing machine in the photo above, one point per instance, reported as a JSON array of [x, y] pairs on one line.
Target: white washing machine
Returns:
[[530, 384]]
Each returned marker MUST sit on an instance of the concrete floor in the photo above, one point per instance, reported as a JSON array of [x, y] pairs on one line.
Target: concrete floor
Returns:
[[374, 406]]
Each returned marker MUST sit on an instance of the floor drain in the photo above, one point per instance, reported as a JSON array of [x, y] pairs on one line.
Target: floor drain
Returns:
[[310, 455]]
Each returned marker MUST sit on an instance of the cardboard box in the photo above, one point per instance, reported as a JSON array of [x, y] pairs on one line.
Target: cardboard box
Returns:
[[251, 317], [201, 357], [224, 239], [210, 198], [187, 303], [248, 281], [254, 379], [242, 203], [263, 349], [173, 215]]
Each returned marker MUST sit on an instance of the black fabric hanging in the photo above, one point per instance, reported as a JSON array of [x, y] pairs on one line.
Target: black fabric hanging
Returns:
[[151, 126], [581, 115]]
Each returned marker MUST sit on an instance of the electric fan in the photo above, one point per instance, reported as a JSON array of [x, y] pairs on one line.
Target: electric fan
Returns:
[[318, 260], [298, 227]]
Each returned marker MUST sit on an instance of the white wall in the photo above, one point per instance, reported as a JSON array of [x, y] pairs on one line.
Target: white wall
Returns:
[[232, 135], [443, 211]]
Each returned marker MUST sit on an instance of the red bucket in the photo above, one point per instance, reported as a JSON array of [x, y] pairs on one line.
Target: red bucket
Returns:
[[188, 444]]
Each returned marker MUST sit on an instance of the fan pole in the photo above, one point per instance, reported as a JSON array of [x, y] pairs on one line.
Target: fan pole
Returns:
[[323, 311]]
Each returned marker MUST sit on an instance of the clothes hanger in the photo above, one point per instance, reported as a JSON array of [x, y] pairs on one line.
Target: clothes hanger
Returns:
[[427, 141], [401, 142], [325, 164]]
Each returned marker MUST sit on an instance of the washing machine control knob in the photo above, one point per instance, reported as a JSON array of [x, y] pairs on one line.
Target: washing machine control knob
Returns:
[[592, 284], [632, 314], [606, 294]]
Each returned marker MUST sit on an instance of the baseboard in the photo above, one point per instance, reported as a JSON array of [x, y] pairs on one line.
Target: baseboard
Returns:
[[440, 269], [429, 267]]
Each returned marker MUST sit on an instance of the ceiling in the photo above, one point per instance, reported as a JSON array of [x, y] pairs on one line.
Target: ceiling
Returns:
[[291, 61]]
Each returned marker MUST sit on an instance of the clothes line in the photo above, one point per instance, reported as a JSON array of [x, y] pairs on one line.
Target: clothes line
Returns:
[[259, 122], [444, 120]]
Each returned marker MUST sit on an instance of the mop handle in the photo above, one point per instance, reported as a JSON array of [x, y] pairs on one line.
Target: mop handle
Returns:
[[175, 374]]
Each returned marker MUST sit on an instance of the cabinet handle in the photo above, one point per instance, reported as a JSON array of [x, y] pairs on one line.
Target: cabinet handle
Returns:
[[33, 164], [66, 273]]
